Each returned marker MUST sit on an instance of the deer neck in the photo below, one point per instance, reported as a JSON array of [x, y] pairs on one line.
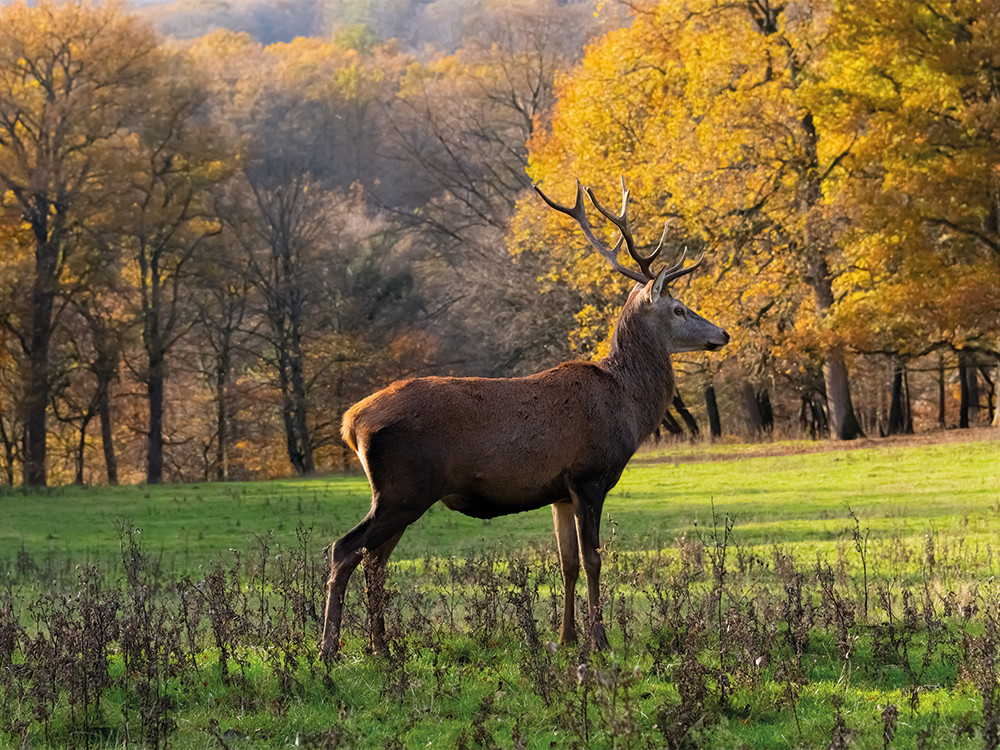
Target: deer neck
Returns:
[[640, 362]]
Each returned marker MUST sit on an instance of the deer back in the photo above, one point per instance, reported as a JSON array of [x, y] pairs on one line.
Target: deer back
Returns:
[[507, 442]]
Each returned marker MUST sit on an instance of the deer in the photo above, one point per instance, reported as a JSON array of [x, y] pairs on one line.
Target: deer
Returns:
[[488, 447]]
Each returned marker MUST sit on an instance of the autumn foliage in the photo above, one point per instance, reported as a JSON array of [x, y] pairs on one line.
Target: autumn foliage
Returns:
[[836, 162], [213, 246]]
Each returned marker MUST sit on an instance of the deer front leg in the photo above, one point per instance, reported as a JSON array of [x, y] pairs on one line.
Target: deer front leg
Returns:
[[569, 565], [587, 506]]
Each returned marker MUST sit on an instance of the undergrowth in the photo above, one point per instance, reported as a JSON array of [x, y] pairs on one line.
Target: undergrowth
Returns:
[[714, 644]]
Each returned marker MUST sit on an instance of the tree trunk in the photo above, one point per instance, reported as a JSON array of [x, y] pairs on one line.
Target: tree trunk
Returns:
[[907, 409], [812, 415], [37, 400], [941, 391], [766, 412], [963, 390], [972, 378], [712, 407], [81, 448], [293, 416], [755, 423], [843, 423], [996, 399], [222, 408], [35, 434], [107, 439], [897, 412], [805, 415], [990, 392], [9, 452], [840, 410], [672, 425], [104, 368], [900, 420], [820, 418], [222, 447], [154, 444], [300, 416], [689, 420], [286, 311]]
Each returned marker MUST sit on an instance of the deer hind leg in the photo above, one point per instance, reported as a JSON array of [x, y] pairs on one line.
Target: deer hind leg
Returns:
[[374, 566], [569, 564], [344, 558], [374, 531], [587, 504]]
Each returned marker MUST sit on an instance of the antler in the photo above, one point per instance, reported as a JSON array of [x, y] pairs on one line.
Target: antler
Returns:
[[579, 212], [677, 270], [620, 220]]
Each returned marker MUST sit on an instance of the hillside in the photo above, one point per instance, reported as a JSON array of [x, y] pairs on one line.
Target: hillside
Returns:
[[442, 24]]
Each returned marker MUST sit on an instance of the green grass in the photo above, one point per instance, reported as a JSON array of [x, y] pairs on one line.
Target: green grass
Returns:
[[928, 520], [799, 501]]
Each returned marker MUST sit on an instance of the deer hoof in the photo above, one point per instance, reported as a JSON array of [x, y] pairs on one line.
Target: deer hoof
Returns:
[[329, 650], [567, 635]]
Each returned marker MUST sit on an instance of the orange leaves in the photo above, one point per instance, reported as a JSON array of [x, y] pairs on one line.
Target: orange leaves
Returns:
[[696, 108], [866, 138], [924, 185]]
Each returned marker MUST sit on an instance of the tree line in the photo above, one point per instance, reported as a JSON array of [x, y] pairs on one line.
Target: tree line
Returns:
[[214, 246], [837, 163]]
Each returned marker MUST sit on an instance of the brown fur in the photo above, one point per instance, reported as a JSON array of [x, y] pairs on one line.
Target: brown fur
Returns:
[[490, 447]]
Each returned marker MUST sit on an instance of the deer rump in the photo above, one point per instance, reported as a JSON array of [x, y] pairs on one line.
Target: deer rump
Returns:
[[490, 447]]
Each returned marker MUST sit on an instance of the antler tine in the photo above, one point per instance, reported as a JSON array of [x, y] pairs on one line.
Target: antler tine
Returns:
[[579, 212], [677, 270], [620, 220], [663, 238]]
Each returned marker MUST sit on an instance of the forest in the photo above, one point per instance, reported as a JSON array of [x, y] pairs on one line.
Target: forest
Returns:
[[219, 233]]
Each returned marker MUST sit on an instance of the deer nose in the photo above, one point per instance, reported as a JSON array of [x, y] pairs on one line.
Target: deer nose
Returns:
[[725, 335]]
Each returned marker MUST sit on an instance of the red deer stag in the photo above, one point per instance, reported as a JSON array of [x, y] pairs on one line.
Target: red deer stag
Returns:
[[489, 447]]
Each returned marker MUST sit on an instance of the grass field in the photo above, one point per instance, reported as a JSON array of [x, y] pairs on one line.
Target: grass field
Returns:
[[757, 596]]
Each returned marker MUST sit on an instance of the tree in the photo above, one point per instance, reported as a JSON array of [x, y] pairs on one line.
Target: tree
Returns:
[[279, 232], [307, 116], [227, 329], [88, 346], [461, 123], [71, 75], [11, 412], [705, 108], [917, 87], [162, 227]]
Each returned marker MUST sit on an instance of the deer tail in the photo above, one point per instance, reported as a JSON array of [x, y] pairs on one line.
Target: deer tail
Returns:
[[347, 431]]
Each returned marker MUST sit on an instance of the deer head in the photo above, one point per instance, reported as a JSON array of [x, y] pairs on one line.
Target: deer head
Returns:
[[682, 329]]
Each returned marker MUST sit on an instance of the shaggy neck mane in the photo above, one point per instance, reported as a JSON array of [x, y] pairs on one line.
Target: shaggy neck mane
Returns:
[[640, 361]]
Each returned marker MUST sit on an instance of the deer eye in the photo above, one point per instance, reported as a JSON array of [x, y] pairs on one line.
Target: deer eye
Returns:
[[679, 312]]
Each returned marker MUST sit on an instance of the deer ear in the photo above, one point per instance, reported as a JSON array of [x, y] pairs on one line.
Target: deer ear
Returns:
[[657, 289]]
